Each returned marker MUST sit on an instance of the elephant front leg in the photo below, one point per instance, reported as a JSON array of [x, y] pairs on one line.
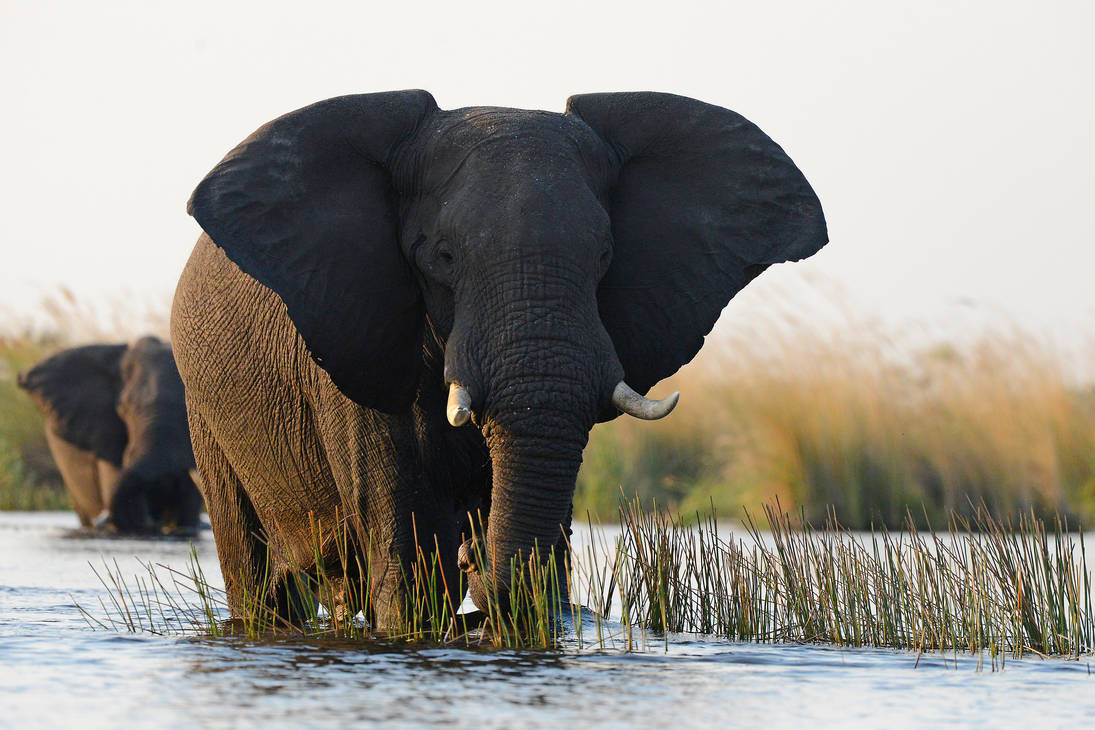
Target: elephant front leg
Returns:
[[405, 535]]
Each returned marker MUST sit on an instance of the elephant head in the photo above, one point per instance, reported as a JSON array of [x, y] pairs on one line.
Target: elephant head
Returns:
[[122, 405], [565, 262]]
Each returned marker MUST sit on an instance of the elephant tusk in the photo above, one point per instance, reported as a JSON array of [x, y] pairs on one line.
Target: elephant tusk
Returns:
[[633, 404], [459, 408]]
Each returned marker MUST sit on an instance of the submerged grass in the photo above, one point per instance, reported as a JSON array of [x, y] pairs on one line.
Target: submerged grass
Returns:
[[1006, 587], [334, 603]]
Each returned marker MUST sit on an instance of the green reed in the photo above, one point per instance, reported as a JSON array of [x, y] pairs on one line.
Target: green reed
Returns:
[[333, 603], [984, 584], [1005, 586]]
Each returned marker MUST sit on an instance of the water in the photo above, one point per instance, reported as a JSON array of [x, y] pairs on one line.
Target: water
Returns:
[[56, 672]]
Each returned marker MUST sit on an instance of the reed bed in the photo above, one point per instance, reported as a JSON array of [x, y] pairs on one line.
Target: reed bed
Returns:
[[1002, 586], [874, 422], [1008, 587]]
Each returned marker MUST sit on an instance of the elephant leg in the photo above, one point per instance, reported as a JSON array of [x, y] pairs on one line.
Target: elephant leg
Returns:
[[108, 476], [393, 510], [79, 473], [242, 548]]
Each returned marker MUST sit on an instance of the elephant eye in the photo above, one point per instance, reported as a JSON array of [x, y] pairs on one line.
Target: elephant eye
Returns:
[[605, 260], [443, 258]]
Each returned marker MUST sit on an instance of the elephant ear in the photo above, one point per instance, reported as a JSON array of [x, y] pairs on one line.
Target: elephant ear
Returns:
[[703, 202], [305, 206], [77, 390]]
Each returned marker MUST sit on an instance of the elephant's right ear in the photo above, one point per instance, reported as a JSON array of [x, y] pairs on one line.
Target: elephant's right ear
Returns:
[[77, 390], [305, 206], [704, 201]]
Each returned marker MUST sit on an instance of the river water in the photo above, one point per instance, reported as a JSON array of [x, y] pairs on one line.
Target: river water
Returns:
[[57, 672]]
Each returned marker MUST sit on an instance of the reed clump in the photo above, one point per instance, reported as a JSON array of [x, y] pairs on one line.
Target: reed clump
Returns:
[[1006, 586], [1003, 586], [326, 602]]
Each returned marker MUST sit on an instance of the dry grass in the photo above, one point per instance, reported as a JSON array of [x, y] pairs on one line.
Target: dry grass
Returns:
[[29, 479], [851, 418]]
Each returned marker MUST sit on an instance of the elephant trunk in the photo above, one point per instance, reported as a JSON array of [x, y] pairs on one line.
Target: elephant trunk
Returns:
[[536, 420], [538, 368], [154, 488], [531, 496]]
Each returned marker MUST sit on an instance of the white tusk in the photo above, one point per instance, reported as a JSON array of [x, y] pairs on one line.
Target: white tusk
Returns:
[[459, 407], [633, 404]]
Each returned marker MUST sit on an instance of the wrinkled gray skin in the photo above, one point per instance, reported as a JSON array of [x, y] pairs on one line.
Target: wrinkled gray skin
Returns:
[[365, 252], [116, 426]]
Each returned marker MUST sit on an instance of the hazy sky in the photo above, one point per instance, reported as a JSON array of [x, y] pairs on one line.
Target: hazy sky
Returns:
[[951, 143]]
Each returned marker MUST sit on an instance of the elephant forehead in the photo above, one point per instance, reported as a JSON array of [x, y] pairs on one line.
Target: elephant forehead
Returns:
[[512, 145], [150, 377]]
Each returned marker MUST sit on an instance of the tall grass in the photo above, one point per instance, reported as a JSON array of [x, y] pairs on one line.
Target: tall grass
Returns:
[[1005, 586], [29, 480], [850, 418], [1008, 587], [853, 415]]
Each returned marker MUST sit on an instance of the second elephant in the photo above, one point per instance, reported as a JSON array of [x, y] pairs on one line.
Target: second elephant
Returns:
[[116, 426]]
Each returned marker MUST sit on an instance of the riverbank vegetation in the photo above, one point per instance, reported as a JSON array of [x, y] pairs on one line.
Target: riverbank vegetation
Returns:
[[849, 419], [854, 417], [29, 479]]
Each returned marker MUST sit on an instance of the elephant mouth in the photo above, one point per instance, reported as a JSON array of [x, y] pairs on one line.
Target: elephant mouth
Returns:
[[469, 556]]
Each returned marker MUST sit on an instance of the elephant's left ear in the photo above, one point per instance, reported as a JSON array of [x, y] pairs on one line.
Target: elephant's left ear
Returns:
[[703, 202], [77, 390]]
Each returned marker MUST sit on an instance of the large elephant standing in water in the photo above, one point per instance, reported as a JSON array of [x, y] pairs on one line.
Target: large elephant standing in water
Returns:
[[404, 314], [116, 426]]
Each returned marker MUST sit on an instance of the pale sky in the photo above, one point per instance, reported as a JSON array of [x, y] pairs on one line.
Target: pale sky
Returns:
[[951, 143]]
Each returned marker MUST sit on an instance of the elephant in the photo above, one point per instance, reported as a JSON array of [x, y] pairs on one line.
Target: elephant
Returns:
[[407, 316], [116, 426]]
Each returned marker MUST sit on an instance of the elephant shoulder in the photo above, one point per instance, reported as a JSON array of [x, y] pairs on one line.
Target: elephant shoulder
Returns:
[[230, 333]]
